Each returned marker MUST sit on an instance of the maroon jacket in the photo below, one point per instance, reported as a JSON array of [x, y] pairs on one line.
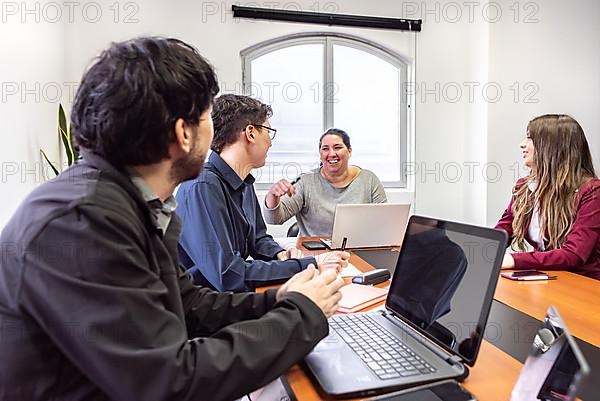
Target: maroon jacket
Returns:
[[580, 253]]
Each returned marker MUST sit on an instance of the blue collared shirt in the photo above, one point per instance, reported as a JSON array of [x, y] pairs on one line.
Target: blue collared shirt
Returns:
[[222, 227]]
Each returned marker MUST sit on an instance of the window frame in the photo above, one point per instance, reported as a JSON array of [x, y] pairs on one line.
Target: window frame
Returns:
[[329, 40]]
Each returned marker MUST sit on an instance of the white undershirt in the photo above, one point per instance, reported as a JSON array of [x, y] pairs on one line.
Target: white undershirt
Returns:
[[534, 224]]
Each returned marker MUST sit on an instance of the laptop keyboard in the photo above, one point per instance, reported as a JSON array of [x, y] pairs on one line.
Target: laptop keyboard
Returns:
[[383, 353]]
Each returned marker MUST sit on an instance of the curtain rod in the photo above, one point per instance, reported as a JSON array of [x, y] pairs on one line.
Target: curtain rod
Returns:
[[311, 17]]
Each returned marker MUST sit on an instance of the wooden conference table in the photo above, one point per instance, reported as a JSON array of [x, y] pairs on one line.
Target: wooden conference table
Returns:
[[495, 372]]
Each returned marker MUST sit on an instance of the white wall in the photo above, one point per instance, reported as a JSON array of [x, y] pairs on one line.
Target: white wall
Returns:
[[451, 125], [559, 56], [31, 81], [457, 134]]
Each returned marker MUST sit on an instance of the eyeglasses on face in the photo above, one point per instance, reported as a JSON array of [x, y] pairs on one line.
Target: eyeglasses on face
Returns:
[[272, 131]]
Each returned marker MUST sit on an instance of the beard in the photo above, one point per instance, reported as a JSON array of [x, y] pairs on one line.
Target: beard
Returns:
[[190, 166]]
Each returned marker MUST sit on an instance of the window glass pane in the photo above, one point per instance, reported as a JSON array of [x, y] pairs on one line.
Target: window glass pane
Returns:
[[367, 106], [291, 81]]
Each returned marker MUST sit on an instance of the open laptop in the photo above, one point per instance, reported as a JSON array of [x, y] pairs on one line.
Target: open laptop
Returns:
[[553, 370], [368, 225], [555, 365], [434, 318]]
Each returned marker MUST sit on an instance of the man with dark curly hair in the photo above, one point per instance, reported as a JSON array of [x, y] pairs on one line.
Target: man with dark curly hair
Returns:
[[222, 220], [93, 302]]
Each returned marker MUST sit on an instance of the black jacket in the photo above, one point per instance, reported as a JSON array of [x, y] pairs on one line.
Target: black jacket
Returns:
[[94, 306]]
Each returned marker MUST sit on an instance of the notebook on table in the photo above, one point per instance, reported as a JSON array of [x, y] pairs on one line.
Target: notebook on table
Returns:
[[435, 314], [356, 297]]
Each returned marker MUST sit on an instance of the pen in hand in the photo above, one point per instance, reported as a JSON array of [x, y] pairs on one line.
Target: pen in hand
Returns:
[[295, 180], [344, 241]]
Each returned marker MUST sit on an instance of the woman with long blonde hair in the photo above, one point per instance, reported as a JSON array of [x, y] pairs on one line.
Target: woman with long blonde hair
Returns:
[[556, 208]]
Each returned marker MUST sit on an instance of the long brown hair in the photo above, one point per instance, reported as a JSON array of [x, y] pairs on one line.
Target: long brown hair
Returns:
[[562, 163]]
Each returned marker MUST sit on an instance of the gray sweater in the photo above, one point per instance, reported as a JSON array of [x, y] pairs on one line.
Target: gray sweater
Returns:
[[315, 200]]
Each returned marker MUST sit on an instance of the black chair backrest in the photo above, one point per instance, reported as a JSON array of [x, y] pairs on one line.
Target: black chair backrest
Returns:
[[293, 230]]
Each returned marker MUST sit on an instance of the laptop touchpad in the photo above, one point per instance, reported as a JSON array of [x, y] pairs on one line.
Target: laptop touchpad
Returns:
[[329, 356]]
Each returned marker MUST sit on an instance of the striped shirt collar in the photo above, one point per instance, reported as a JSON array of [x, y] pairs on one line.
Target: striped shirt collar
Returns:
[[162, 211]]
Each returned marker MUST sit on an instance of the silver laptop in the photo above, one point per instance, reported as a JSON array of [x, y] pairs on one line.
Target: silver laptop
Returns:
[[368, 225], [555, 365], [434, 318]]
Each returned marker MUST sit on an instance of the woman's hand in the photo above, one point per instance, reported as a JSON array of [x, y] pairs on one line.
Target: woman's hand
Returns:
[[276, 191], [508, 262]]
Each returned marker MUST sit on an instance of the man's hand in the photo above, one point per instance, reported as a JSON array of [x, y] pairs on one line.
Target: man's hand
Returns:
[[321, 288], [291, 253], [276, 191], [336, 260]]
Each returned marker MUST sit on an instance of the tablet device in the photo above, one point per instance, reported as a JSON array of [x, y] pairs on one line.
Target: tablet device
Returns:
[[447, 390]]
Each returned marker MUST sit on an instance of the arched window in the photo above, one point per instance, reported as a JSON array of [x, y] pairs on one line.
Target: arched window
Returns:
[[315, 81]]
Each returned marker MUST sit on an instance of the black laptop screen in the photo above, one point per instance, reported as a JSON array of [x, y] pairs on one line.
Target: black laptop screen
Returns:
[[444, 281]]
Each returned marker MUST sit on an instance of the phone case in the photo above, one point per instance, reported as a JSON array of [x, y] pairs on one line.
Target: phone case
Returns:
[[528, 278]]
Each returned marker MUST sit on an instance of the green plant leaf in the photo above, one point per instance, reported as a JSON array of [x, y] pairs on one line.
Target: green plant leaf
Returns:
[[49, 162], [62, 118], [67, 144], [64, 134]]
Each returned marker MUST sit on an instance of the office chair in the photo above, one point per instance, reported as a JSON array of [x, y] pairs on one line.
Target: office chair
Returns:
[[293, 230]]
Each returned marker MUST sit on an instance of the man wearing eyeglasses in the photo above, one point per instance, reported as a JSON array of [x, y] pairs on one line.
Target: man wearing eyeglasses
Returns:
[[222, 221], [93, 303]]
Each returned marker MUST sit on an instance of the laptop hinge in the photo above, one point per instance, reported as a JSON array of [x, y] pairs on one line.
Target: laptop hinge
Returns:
[[421, 338], [454, 360]]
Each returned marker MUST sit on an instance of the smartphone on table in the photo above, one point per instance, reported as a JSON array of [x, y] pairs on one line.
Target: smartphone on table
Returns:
[[314, 245], [528, 275], [447, 390]]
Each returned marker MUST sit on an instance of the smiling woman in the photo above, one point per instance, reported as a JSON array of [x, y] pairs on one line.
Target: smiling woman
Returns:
[[555, 208], [313, 198], [335, 152]]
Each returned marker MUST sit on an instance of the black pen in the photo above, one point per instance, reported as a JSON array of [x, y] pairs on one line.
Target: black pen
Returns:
[[344, 243], [295, 180]]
